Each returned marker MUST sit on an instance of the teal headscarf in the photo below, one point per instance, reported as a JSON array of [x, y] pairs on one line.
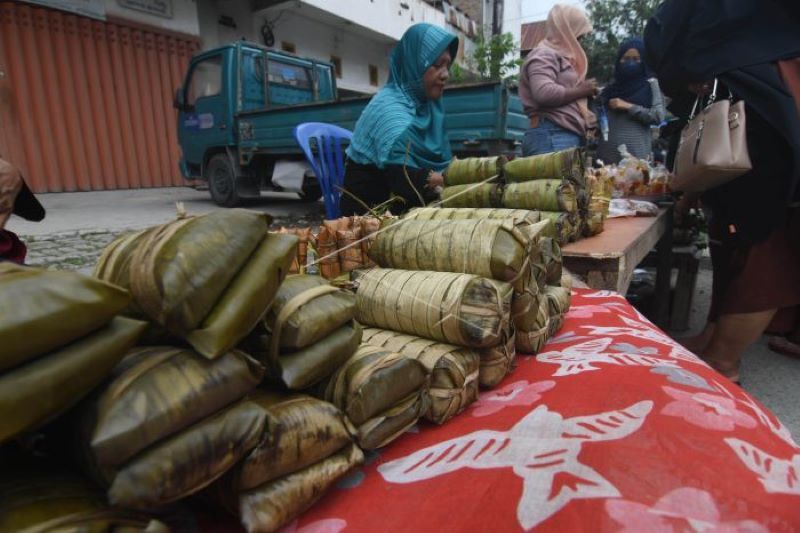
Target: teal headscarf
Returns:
[[401, 114]]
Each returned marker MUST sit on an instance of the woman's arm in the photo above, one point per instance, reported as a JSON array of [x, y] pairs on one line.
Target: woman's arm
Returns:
[[542, 73], [654, 114]]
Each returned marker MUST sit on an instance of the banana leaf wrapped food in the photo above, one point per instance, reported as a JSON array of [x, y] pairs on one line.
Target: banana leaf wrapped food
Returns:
[[35, 392], [328, 252], [34, 501], [247, 297], [276, 503], [494, 249], [553, 263], [497, 362], [595, 224], [534, 329], [210, 278], [305, 367], [207, 250], [382, 393], [519, 216], [42, 310], [369, 232], [563, 225], [300, 431], [473, 170], [460, 309], [558, 302], [556, 165], [158, 391], [542, 195], [303, 238], [190, 460], [114, 265], [307, 309], [453, 370], [473, 195]]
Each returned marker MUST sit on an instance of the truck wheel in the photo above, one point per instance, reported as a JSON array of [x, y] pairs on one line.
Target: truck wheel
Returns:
[[222, 181]]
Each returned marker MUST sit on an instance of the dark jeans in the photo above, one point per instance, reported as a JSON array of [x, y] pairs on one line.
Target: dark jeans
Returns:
[[547, 138]]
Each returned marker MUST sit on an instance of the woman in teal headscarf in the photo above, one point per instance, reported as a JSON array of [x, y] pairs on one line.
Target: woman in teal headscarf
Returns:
[[400, 136]]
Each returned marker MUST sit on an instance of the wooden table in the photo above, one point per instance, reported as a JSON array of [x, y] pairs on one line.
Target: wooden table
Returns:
[[607, 261]]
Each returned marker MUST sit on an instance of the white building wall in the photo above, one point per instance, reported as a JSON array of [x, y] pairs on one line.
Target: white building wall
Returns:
[[512, 23], [184, 16], [318, 29], [321, 41]]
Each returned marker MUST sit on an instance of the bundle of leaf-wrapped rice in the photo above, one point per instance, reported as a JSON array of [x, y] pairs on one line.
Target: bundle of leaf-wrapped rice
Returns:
[[369, 232], [533, 328], [558, 301], [328, 251], [542, 195], [207, 279], [306, 447], [473, 170], [494, 249], [557, 165], [498, 361], [301, 257], [453, 370], [595, 224], [188, 461], [34, 501], [59, 338], [275, 504], [302, 368], [474, 195], [382, 393], [551, 258], [156, 392], [309, 332], [461, 309], [114, 265], [562, 225], [519, 216]]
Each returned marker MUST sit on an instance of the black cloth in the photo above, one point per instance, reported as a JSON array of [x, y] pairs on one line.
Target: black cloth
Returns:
[[738, 42], [374, 186], [27, 206]]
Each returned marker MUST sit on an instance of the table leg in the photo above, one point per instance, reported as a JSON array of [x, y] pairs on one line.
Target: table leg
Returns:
[[664, 272]]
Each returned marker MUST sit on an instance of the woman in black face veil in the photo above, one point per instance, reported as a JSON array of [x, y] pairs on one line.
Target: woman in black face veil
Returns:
[[753, 48]]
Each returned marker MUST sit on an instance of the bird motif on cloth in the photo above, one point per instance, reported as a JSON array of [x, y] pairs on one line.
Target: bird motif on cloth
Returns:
[[582, 358], [776, 474], [542, 449]]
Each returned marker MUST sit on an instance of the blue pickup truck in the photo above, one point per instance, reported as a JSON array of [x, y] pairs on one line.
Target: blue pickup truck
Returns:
[[239, 104]]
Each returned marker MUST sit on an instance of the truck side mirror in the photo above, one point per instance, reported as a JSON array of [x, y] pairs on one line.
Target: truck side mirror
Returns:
[[179, 102]]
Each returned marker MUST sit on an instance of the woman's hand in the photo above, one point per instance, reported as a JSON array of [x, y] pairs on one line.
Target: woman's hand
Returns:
[[588, 88], [619, 104], [435, 179]]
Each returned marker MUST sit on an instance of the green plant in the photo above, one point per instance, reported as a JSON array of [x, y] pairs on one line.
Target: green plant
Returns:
[[495, 58]]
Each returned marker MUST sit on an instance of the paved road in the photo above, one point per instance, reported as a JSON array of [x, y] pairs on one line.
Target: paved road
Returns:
[[79, 225]]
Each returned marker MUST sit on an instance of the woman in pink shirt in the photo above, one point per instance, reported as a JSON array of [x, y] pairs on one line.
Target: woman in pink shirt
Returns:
[[553, 85]]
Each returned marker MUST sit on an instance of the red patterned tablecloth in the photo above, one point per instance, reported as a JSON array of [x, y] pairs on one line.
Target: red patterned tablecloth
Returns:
[[613, 427]]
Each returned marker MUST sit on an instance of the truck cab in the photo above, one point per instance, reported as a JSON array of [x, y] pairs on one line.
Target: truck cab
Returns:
[[225, 86]]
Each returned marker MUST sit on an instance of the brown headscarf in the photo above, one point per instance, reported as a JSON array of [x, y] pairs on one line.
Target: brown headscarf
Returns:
[[563, 27]]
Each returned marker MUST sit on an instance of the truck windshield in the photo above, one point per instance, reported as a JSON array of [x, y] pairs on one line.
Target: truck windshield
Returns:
[[206, 79]]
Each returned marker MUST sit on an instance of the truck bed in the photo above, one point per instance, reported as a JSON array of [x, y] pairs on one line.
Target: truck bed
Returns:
[[481, 118]]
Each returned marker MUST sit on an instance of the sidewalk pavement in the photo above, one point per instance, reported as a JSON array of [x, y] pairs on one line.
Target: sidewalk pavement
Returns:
[[79, 225]]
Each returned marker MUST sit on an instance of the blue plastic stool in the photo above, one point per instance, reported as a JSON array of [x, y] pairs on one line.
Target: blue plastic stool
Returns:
[[327, 160]]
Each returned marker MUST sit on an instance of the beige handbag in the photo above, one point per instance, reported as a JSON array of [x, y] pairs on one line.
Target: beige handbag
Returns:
[[713, 146]]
